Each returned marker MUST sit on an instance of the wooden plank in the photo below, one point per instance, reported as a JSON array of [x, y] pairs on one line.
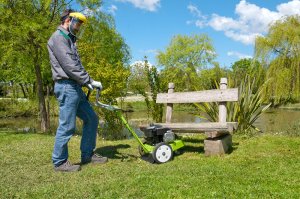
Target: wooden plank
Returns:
[[217, 95], [169, 105], [198, 127], [222, 105]]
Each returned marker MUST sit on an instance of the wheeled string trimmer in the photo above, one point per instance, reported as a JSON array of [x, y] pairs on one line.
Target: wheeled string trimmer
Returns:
[[160, 143]]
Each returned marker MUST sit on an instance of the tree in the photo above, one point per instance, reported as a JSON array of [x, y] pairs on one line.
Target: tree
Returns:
[[279, 51], [145, 79], [25, 27], [105, 55], [247, 67], [24, 30], [138, 81], [184, 58], [210, 77]]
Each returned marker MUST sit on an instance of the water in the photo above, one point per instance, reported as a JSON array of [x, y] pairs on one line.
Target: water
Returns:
[[273, 121], [276, 120]]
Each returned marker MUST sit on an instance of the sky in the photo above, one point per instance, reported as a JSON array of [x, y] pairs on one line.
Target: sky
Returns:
[[148, 26]]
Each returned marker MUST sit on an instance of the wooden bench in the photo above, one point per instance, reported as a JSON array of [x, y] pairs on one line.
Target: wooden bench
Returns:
[[219, 140]]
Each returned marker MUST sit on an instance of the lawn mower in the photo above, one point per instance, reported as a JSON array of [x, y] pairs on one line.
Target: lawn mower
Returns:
[[160, 143]]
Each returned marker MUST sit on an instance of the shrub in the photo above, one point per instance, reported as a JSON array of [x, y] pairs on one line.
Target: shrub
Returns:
[[246, 111]]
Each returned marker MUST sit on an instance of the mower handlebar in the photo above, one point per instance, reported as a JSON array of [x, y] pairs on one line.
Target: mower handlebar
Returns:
[[98, 94]]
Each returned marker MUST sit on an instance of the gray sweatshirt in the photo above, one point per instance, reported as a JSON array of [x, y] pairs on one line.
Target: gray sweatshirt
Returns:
[[64, 58]]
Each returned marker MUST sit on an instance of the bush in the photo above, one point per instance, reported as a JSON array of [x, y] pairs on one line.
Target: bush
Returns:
[[246, 111]]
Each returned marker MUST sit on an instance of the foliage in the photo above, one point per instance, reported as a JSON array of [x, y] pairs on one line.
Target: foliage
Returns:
[[105, 56], [15, 108], [24, 31], [279, 51], [138, 79], [264, 167], [210, 77], [145, 79], [246, 111], [25, 27], [154, 84], [183, 59], [247, 67]]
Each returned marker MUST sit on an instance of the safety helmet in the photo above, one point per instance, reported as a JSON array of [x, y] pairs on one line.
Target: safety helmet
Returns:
[[77, 24]]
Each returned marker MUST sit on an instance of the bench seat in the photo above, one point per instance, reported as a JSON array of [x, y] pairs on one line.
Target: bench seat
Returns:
[[198, 127]]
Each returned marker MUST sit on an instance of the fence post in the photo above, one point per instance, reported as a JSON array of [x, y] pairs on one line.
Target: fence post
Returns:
[[171, 87], [222, 105]]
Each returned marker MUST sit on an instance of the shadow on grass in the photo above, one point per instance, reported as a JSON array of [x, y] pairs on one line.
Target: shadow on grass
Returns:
[[192, 145], [196, 145], [112, 152]]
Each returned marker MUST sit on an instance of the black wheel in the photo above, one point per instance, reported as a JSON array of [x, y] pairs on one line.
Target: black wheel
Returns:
[[141, 150], [162, 153]]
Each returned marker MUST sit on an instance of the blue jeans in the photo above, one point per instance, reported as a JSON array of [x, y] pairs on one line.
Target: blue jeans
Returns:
[[72, 102]]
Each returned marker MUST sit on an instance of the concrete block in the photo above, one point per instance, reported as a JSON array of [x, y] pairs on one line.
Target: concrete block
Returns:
[[218, 145], [214, 134]]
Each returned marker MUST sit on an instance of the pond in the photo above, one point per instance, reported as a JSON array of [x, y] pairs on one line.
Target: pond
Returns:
[[272, 121]]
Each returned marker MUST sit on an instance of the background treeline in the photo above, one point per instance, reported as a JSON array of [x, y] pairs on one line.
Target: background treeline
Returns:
[[188, 61]]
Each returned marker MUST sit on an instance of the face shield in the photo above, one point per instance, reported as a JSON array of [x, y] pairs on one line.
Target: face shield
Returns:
[[77, 24]]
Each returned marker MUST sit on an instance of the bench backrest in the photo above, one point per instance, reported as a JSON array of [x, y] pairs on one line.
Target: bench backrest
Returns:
[[221, 95]]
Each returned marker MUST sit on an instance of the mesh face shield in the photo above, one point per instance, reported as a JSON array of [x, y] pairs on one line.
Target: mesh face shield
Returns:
[[77, 27]]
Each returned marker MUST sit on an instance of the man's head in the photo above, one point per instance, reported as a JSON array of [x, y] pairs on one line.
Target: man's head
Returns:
[[73, 21]]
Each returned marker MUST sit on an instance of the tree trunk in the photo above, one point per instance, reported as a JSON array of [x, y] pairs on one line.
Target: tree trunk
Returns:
[[23, 90], [48, 106], [45, 123]]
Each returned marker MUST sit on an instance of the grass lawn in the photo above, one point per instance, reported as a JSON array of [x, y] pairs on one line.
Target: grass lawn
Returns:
[[266, 166]]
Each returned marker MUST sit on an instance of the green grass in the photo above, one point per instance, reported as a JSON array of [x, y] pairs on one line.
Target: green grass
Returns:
[[260, 167]]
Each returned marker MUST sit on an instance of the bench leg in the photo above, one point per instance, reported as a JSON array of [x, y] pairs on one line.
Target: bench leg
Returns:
[[218, 145]]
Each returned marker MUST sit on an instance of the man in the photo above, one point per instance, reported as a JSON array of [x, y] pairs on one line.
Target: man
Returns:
[[69, 76]]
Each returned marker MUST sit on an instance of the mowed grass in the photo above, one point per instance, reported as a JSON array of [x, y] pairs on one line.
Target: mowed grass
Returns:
[[265, 166]]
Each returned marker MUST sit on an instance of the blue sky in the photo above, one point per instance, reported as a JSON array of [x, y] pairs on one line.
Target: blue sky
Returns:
[[149, 25]]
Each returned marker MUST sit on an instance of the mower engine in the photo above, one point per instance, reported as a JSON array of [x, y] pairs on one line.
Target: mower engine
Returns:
[[158, 134]]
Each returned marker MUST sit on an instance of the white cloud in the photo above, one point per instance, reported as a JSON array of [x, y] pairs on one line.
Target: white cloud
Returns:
[[112, 9], [246, 38], [201, 21], [194, 10], [250, 22], [238, 54], [289, 8], [150, 5]]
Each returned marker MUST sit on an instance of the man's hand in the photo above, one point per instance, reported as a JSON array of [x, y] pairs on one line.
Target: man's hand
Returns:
[[96, 84]]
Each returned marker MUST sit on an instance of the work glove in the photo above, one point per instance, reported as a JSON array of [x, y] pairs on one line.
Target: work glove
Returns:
[[96, 84], [89, 86]]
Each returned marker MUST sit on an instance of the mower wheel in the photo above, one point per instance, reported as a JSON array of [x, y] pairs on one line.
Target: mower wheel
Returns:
[[162, 153], [141, 150]]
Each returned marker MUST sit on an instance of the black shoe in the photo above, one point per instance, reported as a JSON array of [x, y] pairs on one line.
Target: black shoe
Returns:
[[67, 167], [96, 159]]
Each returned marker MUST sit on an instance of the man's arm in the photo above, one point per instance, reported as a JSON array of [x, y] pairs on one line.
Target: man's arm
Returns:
[[69, 62]]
